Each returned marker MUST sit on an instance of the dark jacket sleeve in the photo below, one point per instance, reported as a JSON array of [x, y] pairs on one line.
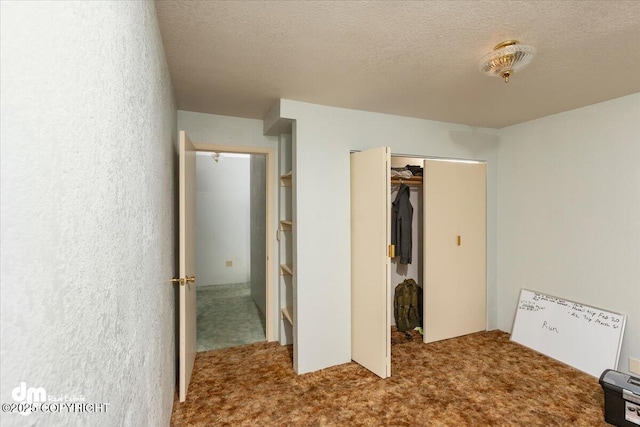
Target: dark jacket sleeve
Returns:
[[401, 218]]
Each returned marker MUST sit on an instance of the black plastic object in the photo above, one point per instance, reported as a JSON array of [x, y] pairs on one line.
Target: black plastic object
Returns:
[[621, 398]]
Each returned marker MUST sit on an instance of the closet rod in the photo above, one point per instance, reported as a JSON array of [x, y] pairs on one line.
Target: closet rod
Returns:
[[406, 181]]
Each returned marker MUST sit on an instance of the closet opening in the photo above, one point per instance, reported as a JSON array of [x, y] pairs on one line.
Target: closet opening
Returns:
[[232, 249], [406, 173], [448, 242], [424, 225]]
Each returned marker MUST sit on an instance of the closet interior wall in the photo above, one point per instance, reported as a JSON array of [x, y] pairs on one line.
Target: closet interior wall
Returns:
[[400, 272]]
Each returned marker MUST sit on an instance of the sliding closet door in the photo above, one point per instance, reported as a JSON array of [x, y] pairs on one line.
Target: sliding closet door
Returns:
[[454, 249], [370, 263]]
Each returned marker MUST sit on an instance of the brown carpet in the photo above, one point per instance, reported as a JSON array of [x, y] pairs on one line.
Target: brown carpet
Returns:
[[481, 379]]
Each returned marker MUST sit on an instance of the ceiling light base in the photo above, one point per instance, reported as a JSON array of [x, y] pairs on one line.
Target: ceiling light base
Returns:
[[505, 44], [506, 59]]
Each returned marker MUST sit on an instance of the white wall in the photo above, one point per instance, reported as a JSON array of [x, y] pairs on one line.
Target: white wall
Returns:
[[324, 138], [87, 210], [214, 129], [234, 131], [222, 220], [569, 211], [258, 232]]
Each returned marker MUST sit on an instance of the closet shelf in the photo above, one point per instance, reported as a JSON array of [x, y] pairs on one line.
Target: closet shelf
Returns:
[[285, 269], [415, 180], [287, 313]]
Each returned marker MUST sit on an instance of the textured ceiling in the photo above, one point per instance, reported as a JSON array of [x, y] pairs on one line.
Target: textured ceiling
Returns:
[[416, 59]]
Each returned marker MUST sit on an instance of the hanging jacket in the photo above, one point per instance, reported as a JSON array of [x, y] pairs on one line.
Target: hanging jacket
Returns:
[[401, 216]]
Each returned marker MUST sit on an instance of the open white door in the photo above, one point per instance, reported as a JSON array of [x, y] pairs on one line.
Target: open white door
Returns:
[[454, 249], [187, 285], [370, 263]]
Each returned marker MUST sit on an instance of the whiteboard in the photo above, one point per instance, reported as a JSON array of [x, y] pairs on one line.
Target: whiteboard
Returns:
[[581, 336]]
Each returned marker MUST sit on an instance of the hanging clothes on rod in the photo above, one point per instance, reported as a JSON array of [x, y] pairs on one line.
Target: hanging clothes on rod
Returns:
[[401, 217]]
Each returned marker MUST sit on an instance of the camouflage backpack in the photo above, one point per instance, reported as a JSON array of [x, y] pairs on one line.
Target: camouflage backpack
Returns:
[[407, 305]]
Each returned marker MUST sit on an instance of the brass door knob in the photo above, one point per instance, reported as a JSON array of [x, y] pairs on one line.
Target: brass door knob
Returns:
[[178, 280], [191, 279]]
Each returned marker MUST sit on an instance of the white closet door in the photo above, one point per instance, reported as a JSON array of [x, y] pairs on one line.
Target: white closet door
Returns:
[[454, 249], [472, 263], [370, 263]]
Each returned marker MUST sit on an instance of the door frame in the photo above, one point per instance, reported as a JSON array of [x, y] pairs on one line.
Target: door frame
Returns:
[[270, 315]]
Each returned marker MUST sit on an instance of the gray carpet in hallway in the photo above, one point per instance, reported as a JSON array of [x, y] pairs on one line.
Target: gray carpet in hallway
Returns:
[[227, 317]]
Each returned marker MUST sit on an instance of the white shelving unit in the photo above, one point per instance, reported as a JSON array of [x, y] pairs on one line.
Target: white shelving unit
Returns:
[[285, 239]]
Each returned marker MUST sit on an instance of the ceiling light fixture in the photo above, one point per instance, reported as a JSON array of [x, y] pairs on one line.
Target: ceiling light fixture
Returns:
[[506, 59]]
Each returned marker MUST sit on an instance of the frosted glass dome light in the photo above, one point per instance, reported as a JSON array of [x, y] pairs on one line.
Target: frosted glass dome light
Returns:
[[506, 59]]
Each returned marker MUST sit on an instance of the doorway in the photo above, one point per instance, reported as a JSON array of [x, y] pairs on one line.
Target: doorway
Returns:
[[231, 249]]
